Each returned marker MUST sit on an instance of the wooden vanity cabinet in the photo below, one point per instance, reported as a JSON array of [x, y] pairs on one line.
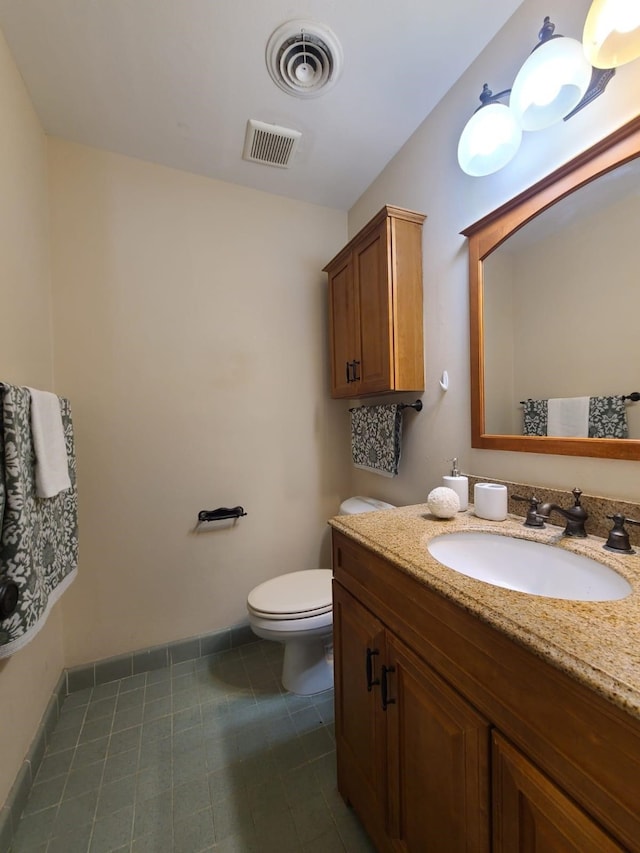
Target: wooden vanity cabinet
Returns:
[[413, 756], [375, 308], [532, 814], [482, 745]]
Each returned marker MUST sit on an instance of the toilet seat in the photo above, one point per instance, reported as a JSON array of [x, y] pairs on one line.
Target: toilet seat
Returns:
[[297, 595]]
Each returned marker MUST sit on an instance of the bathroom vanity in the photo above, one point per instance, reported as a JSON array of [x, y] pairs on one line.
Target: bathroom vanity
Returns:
[[475, 718]]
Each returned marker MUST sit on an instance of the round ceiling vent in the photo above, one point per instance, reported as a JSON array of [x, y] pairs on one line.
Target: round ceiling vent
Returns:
[[304, 58]]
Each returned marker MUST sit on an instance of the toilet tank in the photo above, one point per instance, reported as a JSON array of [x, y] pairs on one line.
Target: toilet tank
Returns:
[[358, 504]]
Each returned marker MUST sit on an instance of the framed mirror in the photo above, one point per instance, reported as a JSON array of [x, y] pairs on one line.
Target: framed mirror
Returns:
[[554, 278]]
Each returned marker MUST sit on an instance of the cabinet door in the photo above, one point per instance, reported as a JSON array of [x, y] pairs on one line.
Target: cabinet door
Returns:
[[439, 745], [343, 331], [531, 814], [360, 737], [372, 277]]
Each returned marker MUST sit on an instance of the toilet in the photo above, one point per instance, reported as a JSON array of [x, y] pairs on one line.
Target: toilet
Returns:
[[296, 609]]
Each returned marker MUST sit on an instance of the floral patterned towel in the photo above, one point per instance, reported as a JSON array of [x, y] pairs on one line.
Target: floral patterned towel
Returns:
[[534, 414], [376, 436], [607, 417], [39, 536]]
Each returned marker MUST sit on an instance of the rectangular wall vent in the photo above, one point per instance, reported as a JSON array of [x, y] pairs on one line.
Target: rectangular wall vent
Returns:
[[270, 144]]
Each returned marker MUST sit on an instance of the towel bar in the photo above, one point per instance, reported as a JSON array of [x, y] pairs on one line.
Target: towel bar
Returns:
[[417, 406], [634, 397]]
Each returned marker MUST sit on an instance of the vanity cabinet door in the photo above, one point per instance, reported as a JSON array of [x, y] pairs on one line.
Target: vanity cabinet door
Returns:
[[531, 814], [359, 650], [438, 749]]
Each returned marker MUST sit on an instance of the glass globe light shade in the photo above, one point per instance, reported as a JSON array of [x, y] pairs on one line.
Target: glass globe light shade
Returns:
[[551, 82], [611, 34], [489, 140]]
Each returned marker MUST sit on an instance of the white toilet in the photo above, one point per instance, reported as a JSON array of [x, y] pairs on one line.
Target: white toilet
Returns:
[[296, 609]]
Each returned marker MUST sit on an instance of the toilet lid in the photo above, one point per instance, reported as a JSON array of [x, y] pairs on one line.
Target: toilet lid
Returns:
[[297, 593]]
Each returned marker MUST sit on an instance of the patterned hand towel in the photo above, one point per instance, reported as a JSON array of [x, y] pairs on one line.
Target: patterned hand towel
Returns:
[[608, 417], [534, 417], [38, 538], [376, 437]]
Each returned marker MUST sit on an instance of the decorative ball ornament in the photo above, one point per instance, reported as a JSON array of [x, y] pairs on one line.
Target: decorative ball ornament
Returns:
[[443, 502]]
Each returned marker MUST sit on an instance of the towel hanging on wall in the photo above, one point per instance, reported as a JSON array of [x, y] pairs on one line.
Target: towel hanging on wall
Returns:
[[534, 417], [47, 432], [38, 537], [568, 416], [376, 438], [607, 417]]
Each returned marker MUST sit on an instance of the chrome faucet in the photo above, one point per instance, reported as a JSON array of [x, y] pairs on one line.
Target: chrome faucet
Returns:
[[576, 515]]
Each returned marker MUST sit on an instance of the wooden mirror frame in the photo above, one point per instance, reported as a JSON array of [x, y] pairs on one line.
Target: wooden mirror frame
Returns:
[[486, 235]]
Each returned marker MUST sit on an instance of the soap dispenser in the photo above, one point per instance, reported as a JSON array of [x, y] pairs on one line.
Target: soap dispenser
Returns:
[[459, 483]]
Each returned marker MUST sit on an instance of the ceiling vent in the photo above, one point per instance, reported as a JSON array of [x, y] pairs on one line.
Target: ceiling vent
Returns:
[[304, 58], [270, 144]]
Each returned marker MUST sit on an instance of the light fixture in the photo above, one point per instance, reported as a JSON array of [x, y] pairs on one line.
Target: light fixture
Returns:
[[611, 34], [555, 82], [490, 138], [552, 81]]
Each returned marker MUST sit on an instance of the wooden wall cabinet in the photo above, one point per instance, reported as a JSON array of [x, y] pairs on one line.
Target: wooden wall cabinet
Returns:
[[375, 308], [452, 738]]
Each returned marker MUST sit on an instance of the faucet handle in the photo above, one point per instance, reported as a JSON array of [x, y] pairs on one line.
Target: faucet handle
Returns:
[[618, 537], [532, 519], [577, 493]]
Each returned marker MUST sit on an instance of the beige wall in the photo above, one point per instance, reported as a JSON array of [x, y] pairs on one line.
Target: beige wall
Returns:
[[190, 328], [425, 176], [27, 678]]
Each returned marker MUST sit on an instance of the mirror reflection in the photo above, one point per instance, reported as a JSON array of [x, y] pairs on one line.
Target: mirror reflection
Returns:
[[561, 316]]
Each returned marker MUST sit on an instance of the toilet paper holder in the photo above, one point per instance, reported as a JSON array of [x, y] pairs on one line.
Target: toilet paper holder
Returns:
[[220, 514]]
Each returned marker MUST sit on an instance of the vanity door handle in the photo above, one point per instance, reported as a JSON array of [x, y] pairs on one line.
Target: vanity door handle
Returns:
[[355, 364], [371, 681], [385, 688]]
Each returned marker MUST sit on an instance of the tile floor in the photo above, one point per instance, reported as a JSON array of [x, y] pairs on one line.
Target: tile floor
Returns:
[[207, 755]]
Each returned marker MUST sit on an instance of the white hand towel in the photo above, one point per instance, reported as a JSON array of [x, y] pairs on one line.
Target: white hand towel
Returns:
[[568, 417], [52, 467]]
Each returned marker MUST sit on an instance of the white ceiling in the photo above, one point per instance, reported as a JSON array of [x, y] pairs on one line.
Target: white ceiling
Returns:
[[175, 81]]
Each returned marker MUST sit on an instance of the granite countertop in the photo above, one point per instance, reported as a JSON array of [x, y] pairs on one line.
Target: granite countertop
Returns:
[[595, 642]]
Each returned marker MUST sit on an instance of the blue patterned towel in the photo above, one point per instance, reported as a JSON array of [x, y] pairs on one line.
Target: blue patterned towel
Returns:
[[376, 438], [39, 537]]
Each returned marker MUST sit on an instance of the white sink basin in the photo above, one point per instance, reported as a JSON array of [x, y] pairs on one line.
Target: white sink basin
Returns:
[[527, 566]]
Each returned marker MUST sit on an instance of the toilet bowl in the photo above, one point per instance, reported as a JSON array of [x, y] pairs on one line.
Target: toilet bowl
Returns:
[[296, 609]]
